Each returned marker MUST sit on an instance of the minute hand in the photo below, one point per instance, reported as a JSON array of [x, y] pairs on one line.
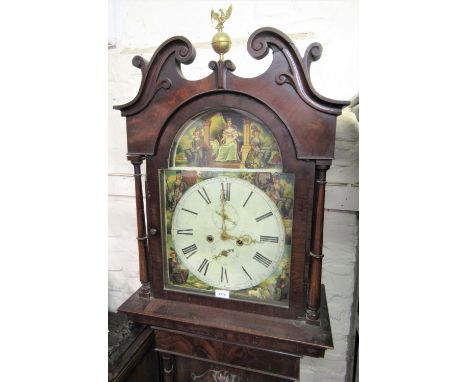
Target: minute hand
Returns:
[[224, 234], [226, 217]]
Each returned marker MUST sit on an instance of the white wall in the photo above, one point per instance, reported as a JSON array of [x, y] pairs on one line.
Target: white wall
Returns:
[[138, 27]]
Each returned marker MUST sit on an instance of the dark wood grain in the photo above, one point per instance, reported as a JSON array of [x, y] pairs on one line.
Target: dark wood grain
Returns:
[[313, 306], [226, 353], [192, 369], [264, 332], [142, 239], [285, 86]]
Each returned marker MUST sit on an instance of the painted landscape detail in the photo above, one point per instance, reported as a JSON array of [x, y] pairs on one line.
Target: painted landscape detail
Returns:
[[279, 187], [229, 139]]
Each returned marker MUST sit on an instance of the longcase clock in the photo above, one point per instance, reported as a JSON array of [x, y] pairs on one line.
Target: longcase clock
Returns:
[[230, 246]]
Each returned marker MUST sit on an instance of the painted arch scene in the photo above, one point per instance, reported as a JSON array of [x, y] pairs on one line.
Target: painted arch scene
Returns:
[[226, 138]]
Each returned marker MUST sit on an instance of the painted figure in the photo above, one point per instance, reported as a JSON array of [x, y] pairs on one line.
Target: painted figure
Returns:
[[276, 192], [228, 150], [176, 273], [254, 158], [175, 191], [197, 154], [282, 285]]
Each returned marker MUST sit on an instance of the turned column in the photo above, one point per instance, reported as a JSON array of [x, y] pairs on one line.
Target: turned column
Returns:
[[136, 161], [315, 270]]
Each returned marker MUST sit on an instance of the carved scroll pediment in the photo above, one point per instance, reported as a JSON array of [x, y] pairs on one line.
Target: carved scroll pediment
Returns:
[[285, 88], [178, 49], [298, 75], [221, 68]]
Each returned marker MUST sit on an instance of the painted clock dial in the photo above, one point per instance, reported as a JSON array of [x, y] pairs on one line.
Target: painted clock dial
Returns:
[[228, 233], [227, 209]]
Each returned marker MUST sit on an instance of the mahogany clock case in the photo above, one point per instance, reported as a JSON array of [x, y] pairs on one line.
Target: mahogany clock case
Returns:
[[303, 123], [304, 181]]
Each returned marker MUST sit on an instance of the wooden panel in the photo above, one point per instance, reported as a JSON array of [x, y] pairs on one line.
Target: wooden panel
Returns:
[[227, 353], [273, 333], [187, 369], [146, 370]]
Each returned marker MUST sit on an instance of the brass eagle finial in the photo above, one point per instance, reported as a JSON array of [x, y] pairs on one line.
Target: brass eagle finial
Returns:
[[221, 42], [220, 17]]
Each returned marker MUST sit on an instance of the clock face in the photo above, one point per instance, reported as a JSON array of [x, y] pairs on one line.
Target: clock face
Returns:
[[228, 233], [227, 210]]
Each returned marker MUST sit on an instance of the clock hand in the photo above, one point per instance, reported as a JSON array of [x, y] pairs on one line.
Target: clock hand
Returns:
[[222, 253], [223, 216], [242, 239], [226, 217], [247, 239]]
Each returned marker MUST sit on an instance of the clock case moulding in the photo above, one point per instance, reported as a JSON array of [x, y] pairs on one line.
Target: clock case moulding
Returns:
[[303, 123]]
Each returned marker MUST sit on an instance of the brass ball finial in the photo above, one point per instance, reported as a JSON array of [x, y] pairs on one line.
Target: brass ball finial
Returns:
[[221, 42]]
